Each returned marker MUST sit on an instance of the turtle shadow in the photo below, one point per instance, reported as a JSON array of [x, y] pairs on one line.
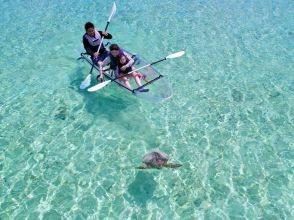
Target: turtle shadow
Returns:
[[142, 189], [61, 112]]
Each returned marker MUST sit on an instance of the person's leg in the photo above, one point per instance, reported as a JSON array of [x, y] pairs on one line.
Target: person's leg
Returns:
[[135, 75], [99, 62], [126, 82], [101, 57]]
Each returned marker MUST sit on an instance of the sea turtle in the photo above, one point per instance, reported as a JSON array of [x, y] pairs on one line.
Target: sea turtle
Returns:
[[157, 159]]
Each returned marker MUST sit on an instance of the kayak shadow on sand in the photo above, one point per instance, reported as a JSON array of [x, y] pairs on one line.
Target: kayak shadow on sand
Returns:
[[110, 106], [142, 189], [113, 104]]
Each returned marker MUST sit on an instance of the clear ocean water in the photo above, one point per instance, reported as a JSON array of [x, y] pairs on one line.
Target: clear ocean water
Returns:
[[69, 154]]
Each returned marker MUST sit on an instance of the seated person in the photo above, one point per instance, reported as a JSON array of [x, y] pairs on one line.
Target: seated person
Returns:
[[122, 64], [91, 41]]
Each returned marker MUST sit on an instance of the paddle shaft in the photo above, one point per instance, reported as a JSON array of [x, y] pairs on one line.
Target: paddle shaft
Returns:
[[107, 24], [150, 64], [103, 37], [99, 46], [100, 43]]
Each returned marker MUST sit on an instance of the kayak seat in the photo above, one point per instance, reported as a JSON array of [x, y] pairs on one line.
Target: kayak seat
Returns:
[[136, 59]]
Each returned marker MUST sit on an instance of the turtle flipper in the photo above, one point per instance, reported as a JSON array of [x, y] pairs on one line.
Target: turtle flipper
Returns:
[[172, 165], [142, 167]]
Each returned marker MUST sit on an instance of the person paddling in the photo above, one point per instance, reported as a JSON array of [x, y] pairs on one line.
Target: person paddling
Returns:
[[91, 41], [122, 64]]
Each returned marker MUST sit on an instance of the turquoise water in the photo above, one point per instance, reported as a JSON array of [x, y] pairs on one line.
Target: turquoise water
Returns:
[[68, 154]]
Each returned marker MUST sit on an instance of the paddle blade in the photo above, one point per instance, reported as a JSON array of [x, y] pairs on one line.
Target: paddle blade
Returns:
[[99, 86], [175, 55], [113, 10], [86, 82]]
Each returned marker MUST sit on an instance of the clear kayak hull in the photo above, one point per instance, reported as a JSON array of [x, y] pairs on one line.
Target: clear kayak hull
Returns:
[[158, 86]]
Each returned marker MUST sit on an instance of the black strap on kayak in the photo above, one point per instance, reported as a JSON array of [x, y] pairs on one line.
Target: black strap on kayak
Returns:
[[149, 82]]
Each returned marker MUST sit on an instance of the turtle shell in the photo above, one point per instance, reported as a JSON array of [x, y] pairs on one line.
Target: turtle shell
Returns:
[[155, 158]]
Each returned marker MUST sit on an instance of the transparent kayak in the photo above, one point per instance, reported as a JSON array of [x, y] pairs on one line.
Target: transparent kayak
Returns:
[[159, 87]]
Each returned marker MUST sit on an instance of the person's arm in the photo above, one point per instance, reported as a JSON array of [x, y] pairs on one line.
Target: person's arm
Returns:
[[105, 35], [87, 47], [131, 60]]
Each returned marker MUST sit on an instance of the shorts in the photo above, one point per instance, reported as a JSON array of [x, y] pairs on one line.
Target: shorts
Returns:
[[101, 57]]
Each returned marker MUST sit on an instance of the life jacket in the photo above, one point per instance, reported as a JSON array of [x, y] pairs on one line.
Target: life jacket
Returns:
[[95, 40], [114, 61], [116, 65]]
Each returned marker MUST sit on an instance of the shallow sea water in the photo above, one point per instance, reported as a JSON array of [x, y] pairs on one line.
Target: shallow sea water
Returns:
[[69, 154]]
